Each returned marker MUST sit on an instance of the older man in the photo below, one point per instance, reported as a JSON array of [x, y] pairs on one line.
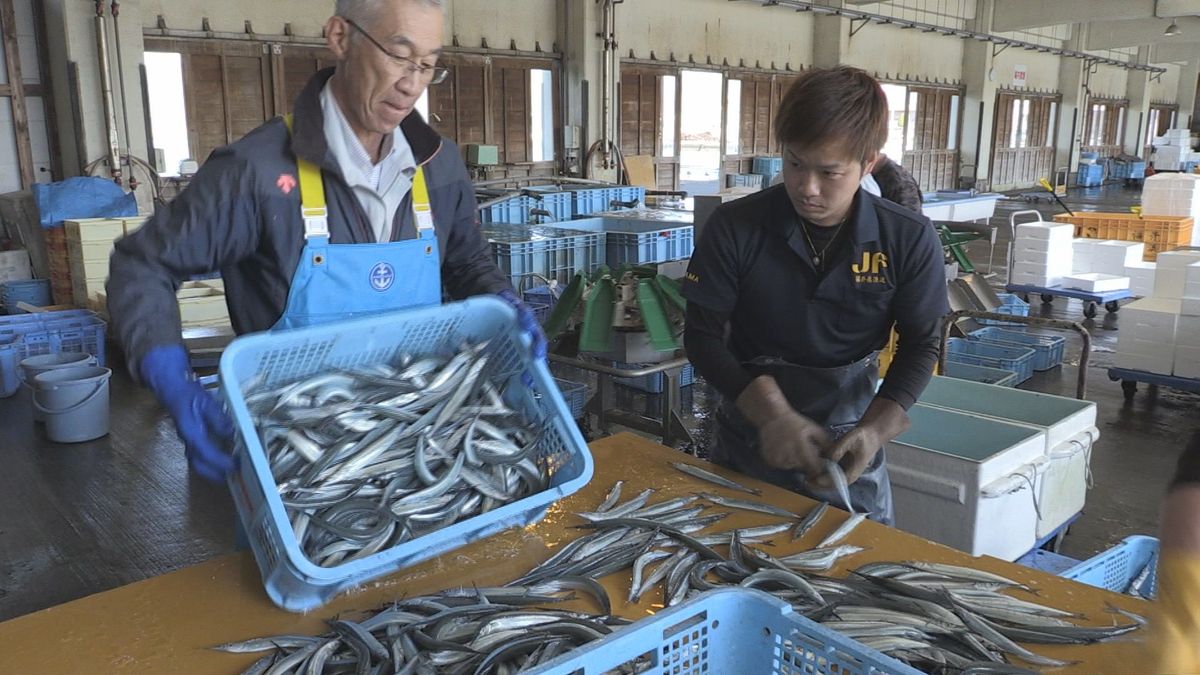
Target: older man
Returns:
[[352, 205]]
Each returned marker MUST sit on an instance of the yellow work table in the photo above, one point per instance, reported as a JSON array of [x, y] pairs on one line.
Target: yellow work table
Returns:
[[164, 624]]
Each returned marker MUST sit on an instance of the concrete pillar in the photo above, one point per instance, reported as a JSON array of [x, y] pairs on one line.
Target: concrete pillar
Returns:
[[580, 25], [1137, 90], [979, 105], [1186, 97], [831, 38], [82, 127], [1073, 111]]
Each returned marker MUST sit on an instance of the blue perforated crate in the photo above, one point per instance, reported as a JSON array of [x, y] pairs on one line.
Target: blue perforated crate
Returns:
[[1116, 568], [638, 242], [541, 295], [729, 630], [653, 383], [1090, 175], [575, 394], [1128, 170], [1017, 359], [1048, 349], [544, 251], [753, 180], [72, 330], [10, 381], [525, 209], [1012, 305], [277, 358], [981, 374], [766, 166], [34, 292], [594, 200]]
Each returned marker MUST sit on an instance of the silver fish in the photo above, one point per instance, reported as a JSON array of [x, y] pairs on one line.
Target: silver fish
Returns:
[[843, 530], [696, 472], [839, 482]]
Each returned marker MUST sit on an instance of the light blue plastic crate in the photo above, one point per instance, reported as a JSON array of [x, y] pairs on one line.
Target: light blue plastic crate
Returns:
[[767, 166], [551, 253], [575, 394], [277, 358], [1047, 561], [541, 295], [1190, 166], [653, 383], [561, 205], [981, 374], [729, 630], [1116, 568], [1017, 359], [744, 180], [1048, 349], [1012, 305], [594, 200], [1090, 175], [1129, 170], [520, 210], [638, 242], [72, 330]]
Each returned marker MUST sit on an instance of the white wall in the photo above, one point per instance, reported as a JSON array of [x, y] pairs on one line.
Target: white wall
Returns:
[[499, 21], [1109, 82], [896, 53], [1042, 70], [717, 29], [1166, 88]]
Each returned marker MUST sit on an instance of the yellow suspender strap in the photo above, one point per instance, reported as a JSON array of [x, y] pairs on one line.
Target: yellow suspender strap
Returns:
[[312, 196]]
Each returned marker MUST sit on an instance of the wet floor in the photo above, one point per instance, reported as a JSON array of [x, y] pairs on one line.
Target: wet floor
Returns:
[[84, 518]]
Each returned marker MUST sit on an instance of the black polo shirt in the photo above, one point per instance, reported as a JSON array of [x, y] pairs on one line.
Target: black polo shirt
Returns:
[[754, 271]]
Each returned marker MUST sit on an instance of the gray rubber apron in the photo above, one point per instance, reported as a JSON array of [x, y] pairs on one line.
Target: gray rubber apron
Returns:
[[835, 397]]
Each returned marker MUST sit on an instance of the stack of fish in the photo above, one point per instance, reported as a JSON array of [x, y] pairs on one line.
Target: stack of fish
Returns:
[[370, 458], [936, 617], [488, 630]]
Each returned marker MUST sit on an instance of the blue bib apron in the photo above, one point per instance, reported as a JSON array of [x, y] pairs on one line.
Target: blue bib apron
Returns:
[[341, 281]]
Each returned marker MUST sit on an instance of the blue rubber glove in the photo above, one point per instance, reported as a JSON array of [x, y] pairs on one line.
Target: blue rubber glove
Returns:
[[199, 418], [528, 322]]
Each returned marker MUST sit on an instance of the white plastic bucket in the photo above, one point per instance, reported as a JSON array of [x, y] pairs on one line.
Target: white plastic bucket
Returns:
[[36, 365], [74, 402]]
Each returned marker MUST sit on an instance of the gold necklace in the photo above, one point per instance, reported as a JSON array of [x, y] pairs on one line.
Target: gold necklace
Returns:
[[818, 256]]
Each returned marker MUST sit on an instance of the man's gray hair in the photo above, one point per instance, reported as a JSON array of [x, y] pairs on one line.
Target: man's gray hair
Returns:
[[361, 11]]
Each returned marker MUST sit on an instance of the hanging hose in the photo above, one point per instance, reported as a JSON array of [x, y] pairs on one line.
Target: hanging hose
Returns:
[[116, 12]]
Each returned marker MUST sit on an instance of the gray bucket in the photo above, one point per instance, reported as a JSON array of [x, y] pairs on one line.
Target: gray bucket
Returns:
[[74, 402], [36, 365]]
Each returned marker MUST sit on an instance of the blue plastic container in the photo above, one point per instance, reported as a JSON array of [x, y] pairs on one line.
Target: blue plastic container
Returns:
[[1116, 568], [1047, 561], [1012, 305], [767, 166], [274, 359], [544, 251], [1129, 170], [10, 349], [73, 330], [729, 630], [35, 292], [587, 201], [541, 295], [575, 394], [653, 383], [981, 374], [1048, 349], [1017, 359], [638, 242], [1090, 175]]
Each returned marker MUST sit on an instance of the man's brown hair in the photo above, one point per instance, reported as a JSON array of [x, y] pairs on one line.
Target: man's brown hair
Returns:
[[827, 104]]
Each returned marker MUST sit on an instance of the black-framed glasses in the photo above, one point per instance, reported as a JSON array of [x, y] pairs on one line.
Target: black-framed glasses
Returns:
[[427, 74]]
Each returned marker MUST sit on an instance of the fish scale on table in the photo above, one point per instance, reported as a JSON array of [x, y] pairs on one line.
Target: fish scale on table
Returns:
[[369, 458]]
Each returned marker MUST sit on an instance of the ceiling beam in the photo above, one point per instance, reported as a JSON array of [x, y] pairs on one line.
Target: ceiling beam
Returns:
[[1022, 14], [1176, 8], [1174, 52], [1116, 34]]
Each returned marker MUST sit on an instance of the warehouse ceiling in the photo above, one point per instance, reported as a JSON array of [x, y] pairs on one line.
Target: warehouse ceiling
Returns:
[[1112, 24]]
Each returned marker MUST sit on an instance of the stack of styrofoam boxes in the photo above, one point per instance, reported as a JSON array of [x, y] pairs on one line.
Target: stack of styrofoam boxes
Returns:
[[1150, 327], [1116, 258], [1187, 334], [89, 243], [1043, 254], [1141, 278], [1172, 149], [1173, 194]]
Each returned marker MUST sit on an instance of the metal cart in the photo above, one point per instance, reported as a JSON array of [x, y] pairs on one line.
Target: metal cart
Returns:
[[1129, 381]]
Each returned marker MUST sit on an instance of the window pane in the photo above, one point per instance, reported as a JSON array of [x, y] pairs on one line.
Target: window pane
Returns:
[[422, 105], [1050, 124], [542, 115], [1119, 132], [733, 118], [952, 141], [667, 117], [168, 114], [39, 139], [27, 42], [896, 96], [1014, 128], [910, 122], [1023, 138], [10, 169]]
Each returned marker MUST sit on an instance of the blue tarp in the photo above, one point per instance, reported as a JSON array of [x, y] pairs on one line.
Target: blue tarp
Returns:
[[83, 197]]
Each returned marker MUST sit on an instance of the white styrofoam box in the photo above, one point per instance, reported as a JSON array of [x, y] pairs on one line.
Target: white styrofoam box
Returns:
[[1069, 425], [982, 504], [1141, 278], [1096, 282], [1150, 313], [1187, 362], [1191, 281], [1033, 278], [1160, 364], [1168, 158], [1187, 333], [1035, 256], [1178, 259], [1189, 307], [1044, 230], [14, 266], [1111, 257], [1170, 278]]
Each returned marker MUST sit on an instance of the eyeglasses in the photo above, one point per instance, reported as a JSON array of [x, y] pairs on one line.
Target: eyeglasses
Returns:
[[428, 74]]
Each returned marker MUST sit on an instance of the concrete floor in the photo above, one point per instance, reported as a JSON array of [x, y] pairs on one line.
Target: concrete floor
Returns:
[[84, 518]]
